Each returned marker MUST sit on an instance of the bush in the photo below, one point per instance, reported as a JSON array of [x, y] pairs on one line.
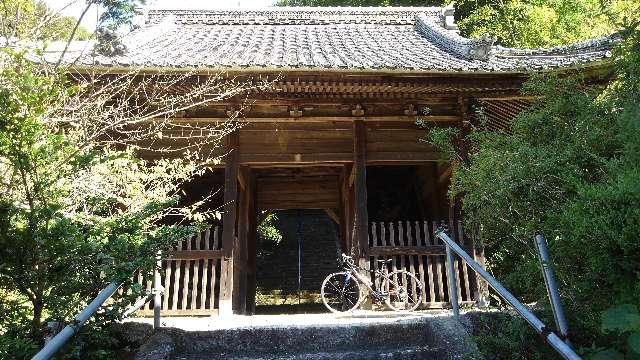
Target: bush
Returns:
[[569, 169]]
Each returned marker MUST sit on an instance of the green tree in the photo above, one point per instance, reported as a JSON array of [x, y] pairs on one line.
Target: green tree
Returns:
[[34, 20], [544, 23], [359, 2], [519, 23], [569, 169], [73, 217]]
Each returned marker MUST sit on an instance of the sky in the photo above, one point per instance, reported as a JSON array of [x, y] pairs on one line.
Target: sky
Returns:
[[75, 7]]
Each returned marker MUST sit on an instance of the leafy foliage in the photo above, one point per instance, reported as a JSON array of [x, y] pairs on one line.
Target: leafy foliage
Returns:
[[519, 23], [569, 168], [624, 322], [526, 23], [34, 20], [358, 2], [72, 218], [267, 230]]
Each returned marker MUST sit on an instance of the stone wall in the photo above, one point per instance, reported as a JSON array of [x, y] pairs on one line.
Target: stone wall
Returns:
[[277, 264]]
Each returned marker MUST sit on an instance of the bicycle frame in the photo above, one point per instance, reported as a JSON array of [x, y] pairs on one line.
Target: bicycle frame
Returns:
[[353, 270]]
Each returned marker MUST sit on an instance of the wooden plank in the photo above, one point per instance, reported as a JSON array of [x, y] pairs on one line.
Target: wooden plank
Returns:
[[374, 243], [195, 281], [402, 240], [176, 285], [412, 268], [204, 282], [429, 262], [215, 277], [456, 263], [421, 265], [167, 286], [463, 264], [438, 264], [392, 242], [186, 289]]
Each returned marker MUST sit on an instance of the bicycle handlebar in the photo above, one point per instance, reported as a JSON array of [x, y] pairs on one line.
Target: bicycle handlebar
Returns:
[[347, 259]]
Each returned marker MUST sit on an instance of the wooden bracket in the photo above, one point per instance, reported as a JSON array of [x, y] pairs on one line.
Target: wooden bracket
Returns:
[[352, 176], [232, 111], [295, 111], [357, 110], [410, 110], [333, 215], [242, 175]]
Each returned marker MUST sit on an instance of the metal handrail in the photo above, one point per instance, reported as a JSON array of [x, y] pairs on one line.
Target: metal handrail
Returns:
[[552, 339], [58, 341]]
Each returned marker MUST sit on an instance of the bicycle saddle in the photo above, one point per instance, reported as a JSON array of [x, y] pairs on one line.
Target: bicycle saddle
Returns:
[[386, 261]]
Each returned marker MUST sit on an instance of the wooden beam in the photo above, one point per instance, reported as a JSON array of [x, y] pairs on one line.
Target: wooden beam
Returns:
[[352, 176], [194, 254], [333, 215], [446, 174], [400, 157], [229, 224], [317, 119], [407, 250]]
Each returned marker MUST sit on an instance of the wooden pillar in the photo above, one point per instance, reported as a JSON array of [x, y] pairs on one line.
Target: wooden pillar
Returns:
[[252, 246], [229, 225], [240, 255], [361, 221], [247, 232]]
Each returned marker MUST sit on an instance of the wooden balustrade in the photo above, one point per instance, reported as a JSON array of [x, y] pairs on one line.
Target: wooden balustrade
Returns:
[[191, 271], [411, 246], [190, 276]]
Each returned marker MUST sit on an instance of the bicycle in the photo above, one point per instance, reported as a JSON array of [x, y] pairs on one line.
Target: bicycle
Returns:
[[400, 290]]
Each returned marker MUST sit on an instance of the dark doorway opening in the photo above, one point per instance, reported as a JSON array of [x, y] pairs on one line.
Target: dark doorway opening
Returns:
[[408, 193], [296, 250]]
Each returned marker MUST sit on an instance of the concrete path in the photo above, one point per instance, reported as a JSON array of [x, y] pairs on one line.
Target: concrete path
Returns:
[[360, 317]]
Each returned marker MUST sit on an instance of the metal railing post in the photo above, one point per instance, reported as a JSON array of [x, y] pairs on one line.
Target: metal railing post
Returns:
[[552, 287], [451, 280], [157, 291], [552, 339], [63, 336]]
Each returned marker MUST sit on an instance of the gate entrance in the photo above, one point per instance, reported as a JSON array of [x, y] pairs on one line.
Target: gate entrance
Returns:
[[295, 250]]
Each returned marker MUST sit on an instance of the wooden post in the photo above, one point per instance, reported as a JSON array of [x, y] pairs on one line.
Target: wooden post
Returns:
[[252, 238], [229, 225], [361, 221], [360, 187]]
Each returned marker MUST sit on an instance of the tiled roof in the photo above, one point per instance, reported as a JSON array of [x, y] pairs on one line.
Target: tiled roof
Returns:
[[354, 39]]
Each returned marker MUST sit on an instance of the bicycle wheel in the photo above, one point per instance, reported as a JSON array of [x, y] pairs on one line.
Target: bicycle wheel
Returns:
[[340, 292], [404, 291]]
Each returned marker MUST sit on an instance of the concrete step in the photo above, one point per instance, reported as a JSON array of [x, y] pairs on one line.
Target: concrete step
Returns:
[[410, 353], [318, 336]]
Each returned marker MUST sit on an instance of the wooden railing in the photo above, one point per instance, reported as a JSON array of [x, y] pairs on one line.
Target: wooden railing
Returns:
[[190, 276], [412, 246]]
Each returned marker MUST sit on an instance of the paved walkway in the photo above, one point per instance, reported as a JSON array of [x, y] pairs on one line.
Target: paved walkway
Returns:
[[296, 320]]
